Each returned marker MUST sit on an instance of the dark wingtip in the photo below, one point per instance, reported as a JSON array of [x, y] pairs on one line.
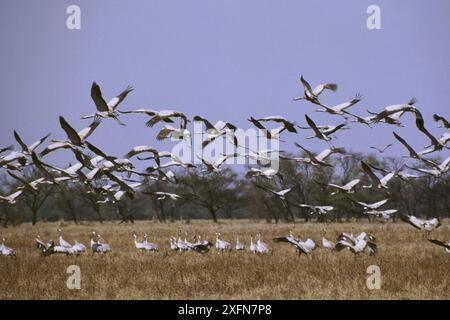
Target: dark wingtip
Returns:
[[436, 117], [412, 101]]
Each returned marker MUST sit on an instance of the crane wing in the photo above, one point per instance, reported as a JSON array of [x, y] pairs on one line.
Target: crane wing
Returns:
[[321, 87], [440, 243], [420, 124], [86, 132], [39, 142], [40, 166], [412, 152], [96, 95], [70, 132], [306, 84], [438, 117], [256, 123], [114, 102], [20, 141], [313, 126], [97, 151], [208, 125], [165, 133], [370, 173]]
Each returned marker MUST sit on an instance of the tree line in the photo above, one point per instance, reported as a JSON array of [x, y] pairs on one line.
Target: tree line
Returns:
[[229, 195]]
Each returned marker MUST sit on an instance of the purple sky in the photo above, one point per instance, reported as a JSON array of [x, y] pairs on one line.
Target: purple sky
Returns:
[[223, 60]]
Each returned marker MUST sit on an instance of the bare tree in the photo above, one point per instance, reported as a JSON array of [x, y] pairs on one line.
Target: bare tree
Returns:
[[66, 199], [35, 200], [90, 198], [212, 191]]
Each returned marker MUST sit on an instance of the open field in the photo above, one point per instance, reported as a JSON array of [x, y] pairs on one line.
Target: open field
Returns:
[[411, 267]]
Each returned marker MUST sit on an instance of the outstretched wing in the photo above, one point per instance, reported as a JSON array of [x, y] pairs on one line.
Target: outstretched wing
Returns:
[[20, 141], [40, 166], [306, 84], [165, 133], [305, 206], [338, 127], [438, 117], [321, 87], [39, 142], [70, 132], [412, 152], [98, 152], [96, 95], [313, 126], [86, 132], [346, 105], [256, 123], [8, 148], [208, 124], [440, 243], [149, 112], [141, 149], [420, 124], [352, 183], [114, 102], [281, 239], [370, 173]]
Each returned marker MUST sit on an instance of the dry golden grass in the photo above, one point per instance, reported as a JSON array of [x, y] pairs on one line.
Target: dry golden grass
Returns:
[[411, 267]]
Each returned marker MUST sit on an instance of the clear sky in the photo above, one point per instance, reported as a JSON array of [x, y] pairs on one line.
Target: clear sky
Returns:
[[223, 59]]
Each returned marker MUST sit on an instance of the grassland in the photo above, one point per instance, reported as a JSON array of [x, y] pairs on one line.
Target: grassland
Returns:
[[411, 267]]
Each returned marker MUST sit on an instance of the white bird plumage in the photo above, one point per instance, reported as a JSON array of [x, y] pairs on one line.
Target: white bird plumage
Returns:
[[5, 250]]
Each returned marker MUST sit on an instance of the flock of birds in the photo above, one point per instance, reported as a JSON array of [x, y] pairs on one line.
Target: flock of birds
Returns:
[[93, 165], [355, 244]]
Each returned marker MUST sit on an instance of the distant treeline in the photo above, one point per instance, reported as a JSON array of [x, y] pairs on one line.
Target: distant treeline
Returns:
[[228, 194]]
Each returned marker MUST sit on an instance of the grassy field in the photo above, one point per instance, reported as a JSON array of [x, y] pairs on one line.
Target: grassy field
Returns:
[[411, 267]]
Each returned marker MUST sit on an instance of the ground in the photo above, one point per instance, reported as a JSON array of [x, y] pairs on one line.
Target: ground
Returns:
[[411, 267]]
